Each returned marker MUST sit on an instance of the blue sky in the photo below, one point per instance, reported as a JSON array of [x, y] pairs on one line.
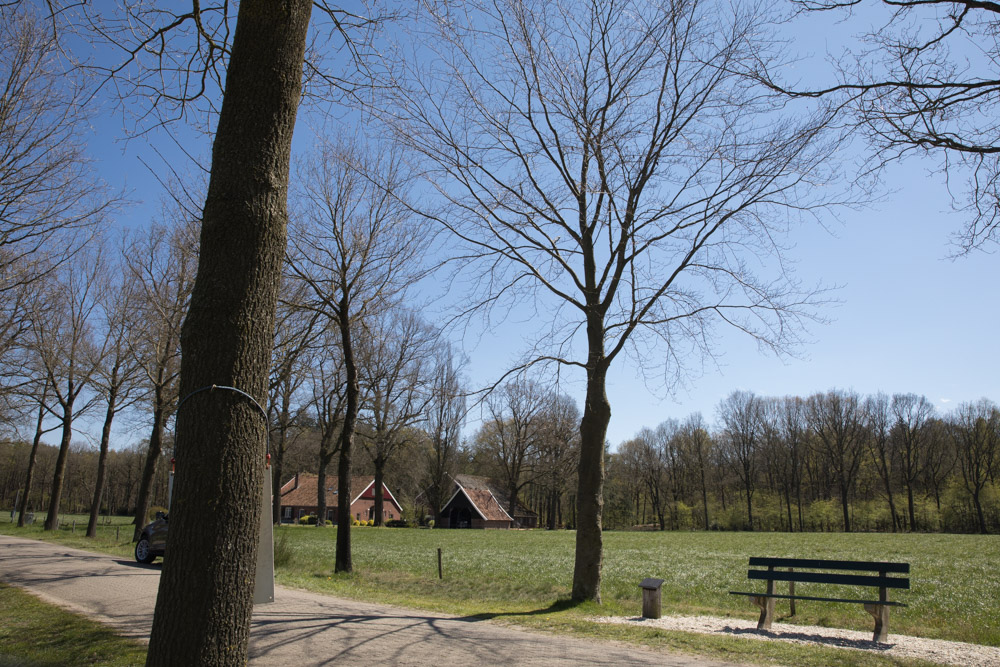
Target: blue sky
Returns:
[[909, 319]]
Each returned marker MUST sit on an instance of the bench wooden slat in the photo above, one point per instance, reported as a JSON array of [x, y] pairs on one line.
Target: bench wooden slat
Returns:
[[817, 599], [816, 564], [829, 578]]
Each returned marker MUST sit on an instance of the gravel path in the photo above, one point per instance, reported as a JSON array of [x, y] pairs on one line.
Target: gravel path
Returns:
[[901, 646], [301, 629]]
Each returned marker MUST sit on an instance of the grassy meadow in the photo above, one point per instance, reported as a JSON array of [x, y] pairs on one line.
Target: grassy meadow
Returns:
[[955, 588], [524, 577]]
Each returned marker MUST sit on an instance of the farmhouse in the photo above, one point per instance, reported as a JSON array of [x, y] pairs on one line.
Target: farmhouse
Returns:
[[478, 503], [298, 498]]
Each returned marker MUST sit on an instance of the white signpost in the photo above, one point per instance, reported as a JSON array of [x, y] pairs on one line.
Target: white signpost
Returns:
[[263, 590]]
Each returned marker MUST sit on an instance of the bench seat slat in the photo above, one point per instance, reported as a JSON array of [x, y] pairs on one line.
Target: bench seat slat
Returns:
[[829, 578], [817, 599], [817, 564]]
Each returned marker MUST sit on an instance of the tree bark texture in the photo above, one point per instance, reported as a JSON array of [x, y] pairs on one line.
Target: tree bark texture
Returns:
[[32, 458], [590, 489], [52, 519], [342, 559], [102, 464], [149, 468], [205, 599]]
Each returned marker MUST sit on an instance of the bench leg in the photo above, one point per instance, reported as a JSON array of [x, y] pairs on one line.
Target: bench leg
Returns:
[[766, 605], [881, 614]]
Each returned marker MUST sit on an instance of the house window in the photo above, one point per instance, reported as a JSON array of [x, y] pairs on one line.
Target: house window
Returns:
[[358, 515], [288, 512]]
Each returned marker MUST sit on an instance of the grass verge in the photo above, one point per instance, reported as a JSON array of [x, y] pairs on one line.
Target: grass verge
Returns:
[[36, 633]]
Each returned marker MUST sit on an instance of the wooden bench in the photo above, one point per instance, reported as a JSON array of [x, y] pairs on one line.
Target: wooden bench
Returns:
[[791, 573]]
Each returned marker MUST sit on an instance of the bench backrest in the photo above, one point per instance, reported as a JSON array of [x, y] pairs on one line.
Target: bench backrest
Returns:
[[881, 580]]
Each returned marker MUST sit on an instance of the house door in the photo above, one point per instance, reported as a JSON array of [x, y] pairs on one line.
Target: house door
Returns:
[[461, 518]]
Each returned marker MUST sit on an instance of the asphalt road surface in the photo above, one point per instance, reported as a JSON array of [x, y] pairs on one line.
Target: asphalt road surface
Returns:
[[302, 628]]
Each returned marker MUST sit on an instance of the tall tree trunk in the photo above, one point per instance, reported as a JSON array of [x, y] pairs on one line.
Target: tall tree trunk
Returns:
[[379, 493], [979, 510], [590, 488], [102, 461], [910, 507], [52, 519], [321, 492], [205, 598], [32, 458], [749, 507], [149, 468], [845, 505], [704, 496], [342, 561]]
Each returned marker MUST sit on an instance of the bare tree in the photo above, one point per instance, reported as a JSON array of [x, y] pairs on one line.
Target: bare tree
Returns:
[[741, 413], [394, 372], [444, 416], [513, 434], [795, 443], [356, 252], [162, 262], [837, 420], [48, 185], [559, 452], [329, 402], [41, 397], [117, 376], [294, 337], [606, 164], [64, 341], [50, 196], [975, 429], [911, 436], [879, 419], [924, 80], [697, 447]]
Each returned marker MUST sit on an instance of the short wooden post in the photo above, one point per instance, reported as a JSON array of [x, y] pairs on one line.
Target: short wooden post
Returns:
[[766, 604], [791, 593], [651, 597], [880, 612], [440, 571]]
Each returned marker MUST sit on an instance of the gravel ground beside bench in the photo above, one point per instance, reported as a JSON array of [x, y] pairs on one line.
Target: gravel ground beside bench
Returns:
[[901, 646]]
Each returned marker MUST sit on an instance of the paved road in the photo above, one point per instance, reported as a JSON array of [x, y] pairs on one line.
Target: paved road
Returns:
[[302, 628]]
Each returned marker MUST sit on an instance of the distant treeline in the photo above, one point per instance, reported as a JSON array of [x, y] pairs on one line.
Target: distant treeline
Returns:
[[834, 461]]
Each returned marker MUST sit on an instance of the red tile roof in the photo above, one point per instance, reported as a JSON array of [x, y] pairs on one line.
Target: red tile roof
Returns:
[[300, 491]]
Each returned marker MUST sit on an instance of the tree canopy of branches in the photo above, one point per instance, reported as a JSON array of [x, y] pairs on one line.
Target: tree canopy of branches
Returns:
[[356, 253], [925, 80], [606, 163], [50, 197]]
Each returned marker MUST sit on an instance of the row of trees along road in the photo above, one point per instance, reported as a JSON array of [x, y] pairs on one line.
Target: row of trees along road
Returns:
[[628, 164]]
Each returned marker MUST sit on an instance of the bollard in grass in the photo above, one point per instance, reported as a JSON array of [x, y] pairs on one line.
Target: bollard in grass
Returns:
[[440, 571]]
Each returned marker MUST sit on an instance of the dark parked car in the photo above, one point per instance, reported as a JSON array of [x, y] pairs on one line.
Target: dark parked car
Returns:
[[153, 540]]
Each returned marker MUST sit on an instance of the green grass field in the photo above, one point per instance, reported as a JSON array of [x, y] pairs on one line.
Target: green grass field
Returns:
[[955, 590], [524, 577]]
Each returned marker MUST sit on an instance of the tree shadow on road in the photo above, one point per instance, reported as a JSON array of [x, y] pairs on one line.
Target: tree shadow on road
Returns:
[[555, 607]]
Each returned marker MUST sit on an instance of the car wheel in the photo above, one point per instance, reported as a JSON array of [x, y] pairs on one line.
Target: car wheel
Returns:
[[143, 553]]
